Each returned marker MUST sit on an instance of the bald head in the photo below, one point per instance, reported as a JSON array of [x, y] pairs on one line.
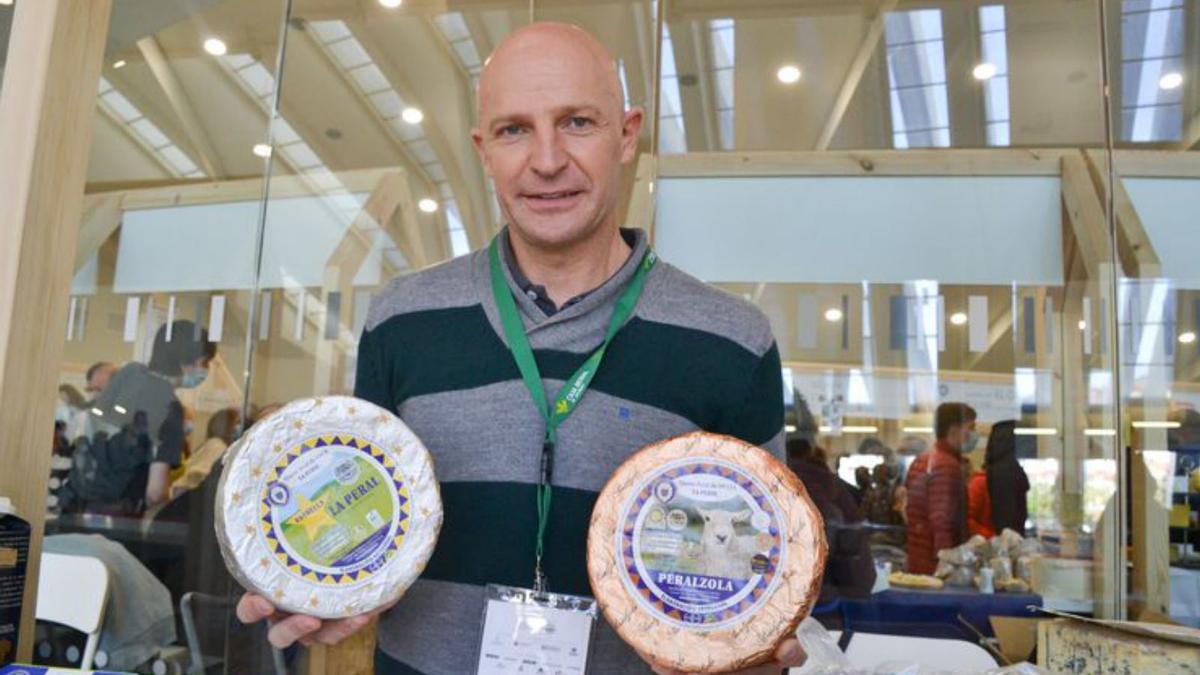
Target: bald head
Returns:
[[550, 45], [554, 135]]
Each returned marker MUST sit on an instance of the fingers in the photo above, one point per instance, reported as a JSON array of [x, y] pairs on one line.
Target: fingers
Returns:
[[790, 654], [287, 629], [333, 632], [254, 608], [296, 627]]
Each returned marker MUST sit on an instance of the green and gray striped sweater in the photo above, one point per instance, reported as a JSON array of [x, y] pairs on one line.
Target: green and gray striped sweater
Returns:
[[692, 357]]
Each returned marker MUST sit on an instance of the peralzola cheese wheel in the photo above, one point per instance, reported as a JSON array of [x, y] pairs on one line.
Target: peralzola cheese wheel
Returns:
[[328, 507], [705, 553]]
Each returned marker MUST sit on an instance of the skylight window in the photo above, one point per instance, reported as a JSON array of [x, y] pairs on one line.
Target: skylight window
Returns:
[[917, 79], [994, 52], [1152, 69], [721, 33], [148, 134], [354, 60], [672, 137], [454, 28]]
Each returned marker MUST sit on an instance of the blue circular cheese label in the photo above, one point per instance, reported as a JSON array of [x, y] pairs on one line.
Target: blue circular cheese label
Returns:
[[334, 509], [700, 544]]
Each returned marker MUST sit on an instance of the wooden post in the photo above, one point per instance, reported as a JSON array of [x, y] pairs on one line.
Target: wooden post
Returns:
[[46, 109]]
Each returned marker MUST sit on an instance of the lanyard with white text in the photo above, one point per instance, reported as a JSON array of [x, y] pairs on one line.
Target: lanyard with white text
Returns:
[[572, 390]]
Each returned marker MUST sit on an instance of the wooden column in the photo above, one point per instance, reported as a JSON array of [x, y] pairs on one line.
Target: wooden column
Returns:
[[46, 109]]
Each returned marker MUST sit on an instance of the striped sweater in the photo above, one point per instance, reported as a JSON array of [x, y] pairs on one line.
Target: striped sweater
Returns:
[[691, 357]]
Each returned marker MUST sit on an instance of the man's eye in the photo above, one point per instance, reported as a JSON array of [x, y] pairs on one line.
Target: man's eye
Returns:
[[578, 122], [510, 130]]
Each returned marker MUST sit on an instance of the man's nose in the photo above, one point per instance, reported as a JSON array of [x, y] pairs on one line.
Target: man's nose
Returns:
[[549, 155]]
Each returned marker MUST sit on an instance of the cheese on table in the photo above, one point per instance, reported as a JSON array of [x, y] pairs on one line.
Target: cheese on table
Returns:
[[328, 507], [705, 553]]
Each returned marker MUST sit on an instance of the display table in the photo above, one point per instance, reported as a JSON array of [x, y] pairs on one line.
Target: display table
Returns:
[[929, 613]]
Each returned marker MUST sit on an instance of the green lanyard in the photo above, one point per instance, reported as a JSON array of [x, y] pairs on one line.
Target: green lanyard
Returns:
[[572, 390]]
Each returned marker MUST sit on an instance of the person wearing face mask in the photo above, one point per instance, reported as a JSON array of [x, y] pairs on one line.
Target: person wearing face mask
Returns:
[[138, 425], [937, 503]]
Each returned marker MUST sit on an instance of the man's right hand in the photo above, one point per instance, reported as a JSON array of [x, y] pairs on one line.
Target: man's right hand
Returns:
[[287, 629]]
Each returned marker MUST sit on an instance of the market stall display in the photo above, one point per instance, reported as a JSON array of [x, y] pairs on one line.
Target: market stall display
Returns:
[[328, 507], [705, 553]]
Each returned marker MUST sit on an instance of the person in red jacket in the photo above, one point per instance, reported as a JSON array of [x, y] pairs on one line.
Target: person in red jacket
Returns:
[[979, 506], [937, 501]]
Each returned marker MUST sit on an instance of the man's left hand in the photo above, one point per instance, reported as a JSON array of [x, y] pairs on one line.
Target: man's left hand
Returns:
[[789, 654]]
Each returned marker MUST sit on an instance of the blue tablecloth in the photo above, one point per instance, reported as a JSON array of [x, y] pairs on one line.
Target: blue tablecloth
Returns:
[[928, 613]]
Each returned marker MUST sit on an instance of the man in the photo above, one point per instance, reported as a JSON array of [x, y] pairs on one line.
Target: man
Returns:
[[554, 137], [937, 503], [98, 376]]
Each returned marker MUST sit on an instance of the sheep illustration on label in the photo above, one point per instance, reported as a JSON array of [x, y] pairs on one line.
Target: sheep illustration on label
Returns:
[[705, 552], [716, 568]]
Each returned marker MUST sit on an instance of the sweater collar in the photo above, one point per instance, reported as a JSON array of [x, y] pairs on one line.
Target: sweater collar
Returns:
[[582, 304]]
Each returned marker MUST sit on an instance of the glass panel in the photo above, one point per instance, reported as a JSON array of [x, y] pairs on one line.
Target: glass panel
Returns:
[[161, 296], [1155, 189], [899, 280]]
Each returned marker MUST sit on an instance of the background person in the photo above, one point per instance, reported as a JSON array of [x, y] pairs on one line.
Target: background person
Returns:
[[936, 491], [137, 426], [1007, 483]]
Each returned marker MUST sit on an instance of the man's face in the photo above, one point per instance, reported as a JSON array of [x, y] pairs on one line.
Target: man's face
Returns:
[[99, 379], [958, 434], [553, 137]]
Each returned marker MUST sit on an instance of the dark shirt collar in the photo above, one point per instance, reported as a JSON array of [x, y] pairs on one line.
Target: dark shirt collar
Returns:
[[537, 293]]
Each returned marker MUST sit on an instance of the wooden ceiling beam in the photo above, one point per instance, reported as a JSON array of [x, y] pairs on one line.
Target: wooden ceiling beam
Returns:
[[866, 50], [181, 105], [919, 162]]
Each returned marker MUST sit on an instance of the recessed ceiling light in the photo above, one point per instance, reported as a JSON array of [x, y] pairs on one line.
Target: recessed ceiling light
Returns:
[[788, 74], [6, 2], [412, 115], [833, 314], [1187, 338], [958, 318], [984, 71], [262, 150], [391, 4], [918, 430], [119, 64], [427, 205], [1082, 325], [1170, 80], [215, 46]]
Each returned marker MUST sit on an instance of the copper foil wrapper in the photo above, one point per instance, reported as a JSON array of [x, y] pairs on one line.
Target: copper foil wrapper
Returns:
[[753, 640]]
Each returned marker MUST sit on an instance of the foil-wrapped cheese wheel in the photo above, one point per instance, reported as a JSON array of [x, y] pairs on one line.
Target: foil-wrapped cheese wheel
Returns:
[[328, 507], [705, 553]]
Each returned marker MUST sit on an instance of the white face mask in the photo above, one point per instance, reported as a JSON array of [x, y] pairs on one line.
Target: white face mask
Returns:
[[193, 378]]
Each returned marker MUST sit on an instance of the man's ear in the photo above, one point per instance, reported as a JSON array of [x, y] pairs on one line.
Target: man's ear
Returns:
[[631, 129], [477, 141]]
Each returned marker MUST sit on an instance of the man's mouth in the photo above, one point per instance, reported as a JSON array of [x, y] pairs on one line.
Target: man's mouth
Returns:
[[549, 196], [550, 201]]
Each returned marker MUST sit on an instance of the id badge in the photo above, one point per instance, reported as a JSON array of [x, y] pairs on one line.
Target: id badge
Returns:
[[529, 632]]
